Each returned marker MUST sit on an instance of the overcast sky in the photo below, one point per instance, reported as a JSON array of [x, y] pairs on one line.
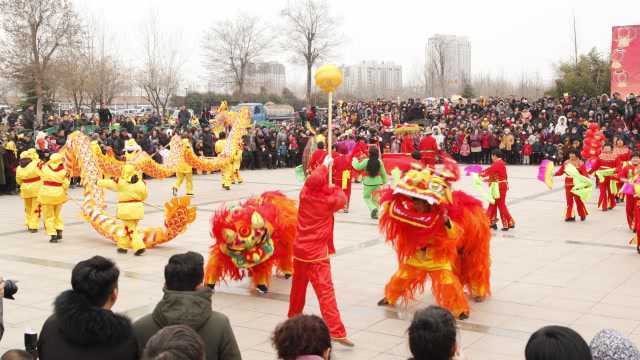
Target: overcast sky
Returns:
[[507, 37]]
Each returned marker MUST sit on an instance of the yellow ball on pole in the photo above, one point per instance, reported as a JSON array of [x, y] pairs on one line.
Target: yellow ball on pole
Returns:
[[328, 78]]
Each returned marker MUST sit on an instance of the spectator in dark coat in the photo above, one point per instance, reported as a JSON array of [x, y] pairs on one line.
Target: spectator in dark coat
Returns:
[[28, 118], [186, 302], [82, 325], [105, 116], [207, 141], [184, 117]]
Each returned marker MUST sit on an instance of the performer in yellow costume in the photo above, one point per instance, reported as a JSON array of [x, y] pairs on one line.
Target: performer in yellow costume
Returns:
[[28, 177], [184, 172], [132, 191], [131, 149], [227, 170], [53, 194], [236, 160]]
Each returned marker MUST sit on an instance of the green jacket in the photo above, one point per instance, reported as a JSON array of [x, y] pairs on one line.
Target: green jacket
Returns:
[[380, 179], [191, 308]]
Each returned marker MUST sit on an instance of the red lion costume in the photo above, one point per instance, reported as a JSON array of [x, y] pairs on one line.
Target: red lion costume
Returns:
[[251, 238], [437, 233]]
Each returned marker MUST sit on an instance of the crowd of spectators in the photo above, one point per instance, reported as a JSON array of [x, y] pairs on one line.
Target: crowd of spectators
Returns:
[[468, 129], [184, 326]]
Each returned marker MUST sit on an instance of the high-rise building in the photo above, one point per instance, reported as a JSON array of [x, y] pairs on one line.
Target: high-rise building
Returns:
[[448, 64], [268, 75], [372, 79]]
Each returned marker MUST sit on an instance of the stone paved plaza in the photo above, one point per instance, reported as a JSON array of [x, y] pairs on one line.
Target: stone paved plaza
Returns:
[[544, 272]]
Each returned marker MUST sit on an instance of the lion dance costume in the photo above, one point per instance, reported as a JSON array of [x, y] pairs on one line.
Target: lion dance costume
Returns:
[[251, 238], [437, 233]]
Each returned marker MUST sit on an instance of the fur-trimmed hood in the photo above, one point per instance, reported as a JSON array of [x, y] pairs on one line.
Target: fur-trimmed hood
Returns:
[[83, 324]]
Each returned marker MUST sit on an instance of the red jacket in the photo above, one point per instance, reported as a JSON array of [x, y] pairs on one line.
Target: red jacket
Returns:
[[316, 159], [341, 163], [407, 144], [604, 163], [568, 180], [428, 143], [527, 149], [628, 172], [497, 172], [318, 203], [485, 139]]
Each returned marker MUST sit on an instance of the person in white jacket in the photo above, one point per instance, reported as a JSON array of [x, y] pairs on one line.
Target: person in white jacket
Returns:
[[561, 127]]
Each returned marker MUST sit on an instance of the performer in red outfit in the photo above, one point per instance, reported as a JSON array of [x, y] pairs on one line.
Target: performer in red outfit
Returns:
[[407, 146], [497, 173], [623, 155], [319, 200], [621, 151], [630, 174], [316, 158], [568, 186], [605, 165], [342, 173], [361, 150], [429, 149]]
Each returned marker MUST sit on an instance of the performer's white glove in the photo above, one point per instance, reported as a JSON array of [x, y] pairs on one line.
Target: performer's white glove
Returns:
[[328, 161]]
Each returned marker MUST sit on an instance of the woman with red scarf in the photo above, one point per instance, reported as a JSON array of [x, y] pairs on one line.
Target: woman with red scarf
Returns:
[[319, 200]]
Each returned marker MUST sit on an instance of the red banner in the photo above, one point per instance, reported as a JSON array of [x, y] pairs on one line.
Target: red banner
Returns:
[[625, 60]]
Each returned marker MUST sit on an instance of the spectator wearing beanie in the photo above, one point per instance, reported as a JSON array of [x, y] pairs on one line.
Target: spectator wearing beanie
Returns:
[[609, 344]]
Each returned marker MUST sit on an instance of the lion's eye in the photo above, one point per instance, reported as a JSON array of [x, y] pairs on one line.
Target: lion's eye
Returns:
[[435, 187]]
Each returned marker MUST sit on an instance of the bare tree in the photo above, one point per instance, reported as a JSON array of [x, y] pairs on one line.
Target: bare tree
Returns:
[[33, 32], [438, 63], [88, 73], [311, 33], [5, 88], [72, 74], [159, 75], [231, 46], [527, 85]]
